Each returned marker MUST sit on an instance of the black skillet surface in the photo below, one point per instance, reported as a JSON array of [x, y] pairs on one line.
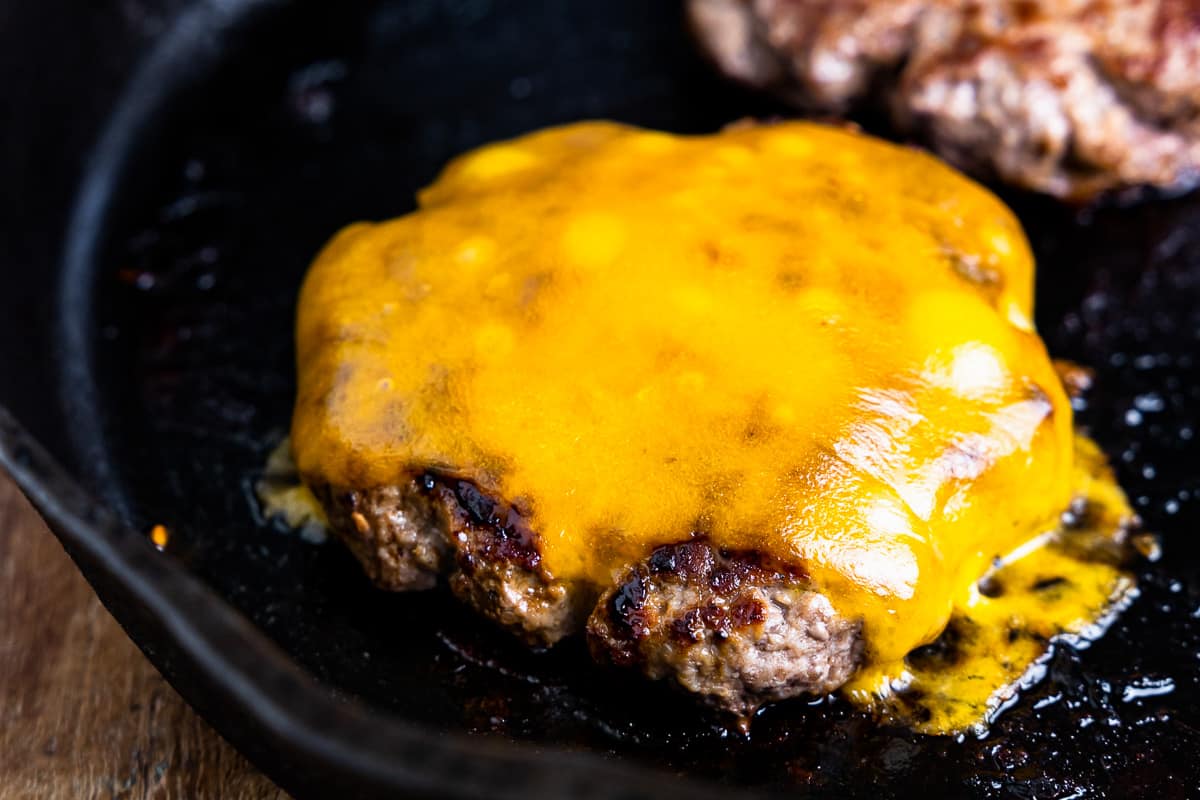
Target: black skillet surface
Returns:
[[252, 133]]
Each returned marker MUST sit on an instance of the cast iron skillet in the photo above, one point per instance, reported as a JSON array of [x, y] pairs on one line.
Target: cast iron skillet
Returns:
[[145, 347]]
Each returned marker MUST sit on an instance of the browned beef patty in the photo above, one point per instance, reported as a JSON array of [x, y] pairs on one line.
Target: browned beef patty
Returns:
[[1067, 97], [737, 628]]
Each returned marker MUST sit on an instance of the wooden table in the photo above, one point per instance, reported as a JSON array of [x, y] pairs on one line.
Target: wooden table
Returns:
[[83, 714]]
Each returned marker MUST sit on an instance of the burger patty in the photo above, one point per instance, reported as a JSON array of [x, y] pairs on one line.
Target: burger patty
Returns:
[[737, 628], [407, 535], [1065, 97]]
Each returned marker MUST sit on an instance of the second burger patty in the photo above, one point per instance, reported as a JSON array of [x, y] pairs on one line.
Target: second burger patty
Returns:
[[1065, 97], [737, 628]]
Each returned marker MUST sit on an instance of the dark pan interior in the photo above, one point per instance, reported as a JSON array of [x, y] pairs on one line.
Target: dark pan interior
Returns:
[[300, 120]]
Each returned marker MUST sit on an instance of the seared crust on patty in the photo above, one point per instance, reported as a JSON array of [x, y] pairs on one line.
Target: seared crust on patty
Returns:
[[498, 566], [407, 535], [1067, 97], [737, 628]]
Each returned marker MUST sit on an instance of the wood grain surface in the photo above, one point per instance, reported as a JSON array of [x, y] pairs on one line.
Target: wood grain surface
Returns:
[[83, 714]]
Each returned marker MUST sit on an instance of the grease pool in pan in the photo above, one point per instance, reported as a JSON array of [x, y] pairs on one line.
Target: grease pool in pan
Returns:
[[315, 121]]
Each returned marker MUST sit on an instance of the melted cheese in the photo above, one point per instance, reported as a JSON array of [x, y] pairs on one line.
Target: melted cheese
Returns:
[[281, 495], [790, 337], [1067, 582]]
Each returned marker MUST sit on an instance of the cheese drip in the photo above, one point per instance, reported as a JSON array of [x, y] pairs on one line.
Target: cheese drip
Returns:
[[791, 338], [1066, 583]]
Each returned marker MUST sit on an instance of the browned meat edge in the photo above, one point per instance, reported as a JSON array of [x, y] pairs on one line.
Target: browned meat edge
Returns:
[[736, 628], [407, 535]]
